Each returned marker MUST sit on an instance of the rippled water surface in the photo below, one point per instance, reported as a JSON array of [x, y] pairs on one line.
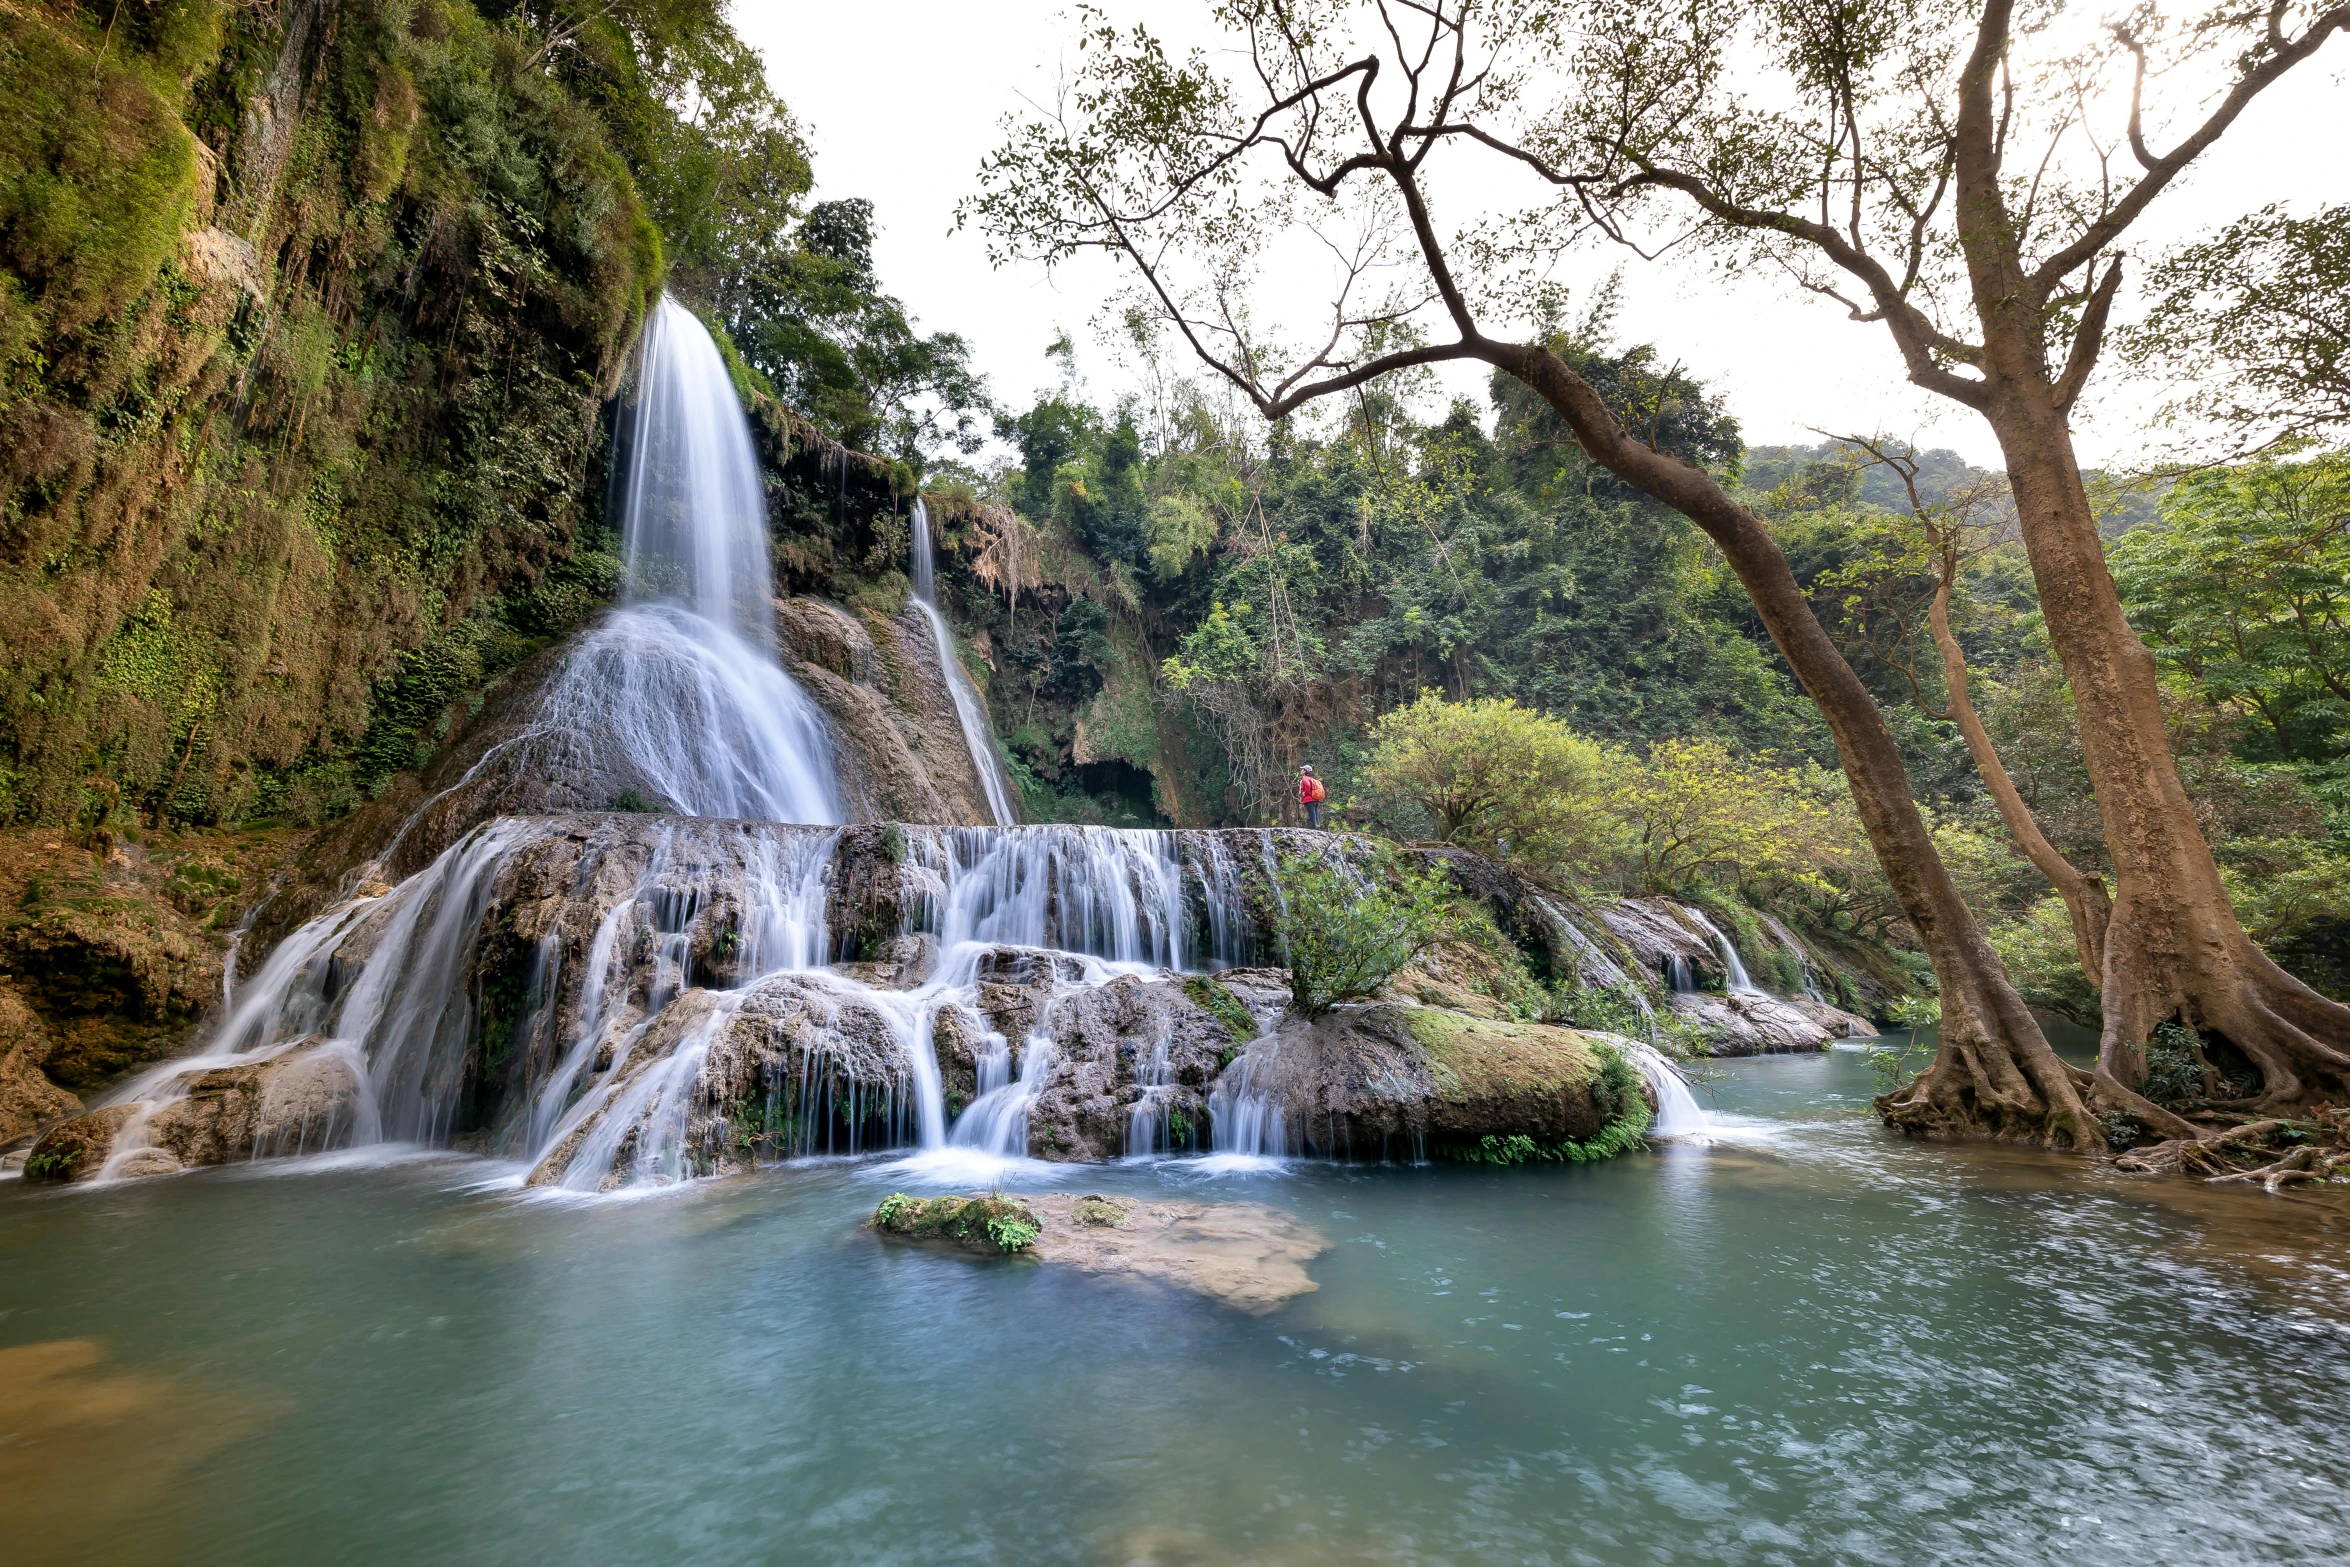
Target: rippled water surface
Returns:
[[1812, 1344]]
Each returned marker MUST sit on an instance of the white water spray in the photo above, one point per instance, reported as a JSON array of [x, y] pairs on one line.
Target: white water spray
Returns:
[[680, 690], [976, 736], [1740, 985], [1678, 1113]]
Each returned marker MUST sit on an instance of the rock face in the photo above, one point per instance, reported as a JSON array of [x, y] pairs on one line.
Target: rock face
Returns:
[[1751, 1023], [878, 680], [305, 1100], [1665, 938], [28, 1100]]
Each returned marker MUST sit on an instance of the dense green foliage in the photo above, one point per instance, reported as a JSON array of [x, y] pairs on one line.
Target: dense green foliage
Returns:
[[1346, 931], [807, 313], [307, 318], [308, 315], [1216, 603]]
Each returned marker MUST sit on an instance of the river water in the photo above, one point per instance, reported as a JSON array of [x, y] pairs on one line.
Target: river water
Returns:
[[1814, 1343]]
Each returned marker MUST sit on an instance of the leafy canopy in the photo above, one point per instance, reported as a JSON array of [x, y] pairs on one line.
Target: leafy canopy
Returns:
[[2244, 591], [1490, 775]]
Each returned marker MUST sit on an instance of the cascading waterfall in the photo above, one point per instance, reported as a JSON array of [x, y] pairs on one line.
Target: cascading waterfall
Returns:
[[692, 503], [1807, 975], [1678, 1113], [593, 1020], [1246, 1123], [401, 1018], [968, 713], [1740, 985], [1147, 1131], [1111, 899], [679, 690]]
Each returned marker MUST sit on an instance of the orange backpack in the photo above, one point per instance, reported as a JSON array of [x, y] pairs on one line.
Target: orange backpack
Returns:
[[1309, 790]]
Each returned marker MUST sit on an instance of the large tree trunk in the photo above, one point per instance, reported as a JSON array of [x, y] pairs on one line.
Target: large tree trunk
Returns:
[[1994, 1073], [2173, 945], [2085, 899]]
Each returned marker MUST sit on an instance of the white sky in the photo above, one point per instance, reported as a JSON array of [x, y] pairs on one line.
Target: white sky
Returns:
[[911, 140]]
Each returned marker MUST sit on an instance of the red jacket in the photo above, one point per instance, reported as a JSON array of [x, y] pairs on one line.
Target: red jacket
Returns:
[[1309, 790]]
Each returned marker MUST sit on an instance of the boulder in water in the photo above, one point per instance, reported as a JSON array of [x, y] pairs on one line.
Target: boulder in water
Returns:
[[993, 1226], [76, 1150], [302, 1100]]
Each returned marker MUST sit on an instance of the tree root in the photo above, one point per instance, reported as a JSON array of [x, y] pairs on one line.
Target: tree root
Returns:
[[2210, 1157]]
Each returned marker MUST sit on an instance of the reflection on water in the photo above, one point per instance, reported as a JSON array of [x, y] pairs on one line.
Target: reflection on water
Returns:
[[1810, 1342]]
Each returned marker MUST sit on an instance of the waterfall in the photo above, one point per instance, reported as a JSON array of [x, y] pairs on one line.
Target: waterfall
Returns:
[[678, 693], [1678, 975], [996, 1124], [692, 503], [1147, 1131], [402, 1018], [977, 738], [1246, 1125], [1094, 902], [1678, 1113], [699, 719], [1740, 985], [1114, 894], [1803, 964]]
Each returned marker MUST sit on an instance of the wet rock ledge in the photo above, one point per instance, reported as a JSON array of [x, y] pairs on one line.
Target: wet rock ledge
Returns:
[[1240, 1254]]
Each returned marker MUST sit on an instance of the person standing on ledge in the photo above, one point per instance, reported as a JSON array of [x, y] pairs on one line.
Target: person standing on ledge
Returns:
[[1310, 794]]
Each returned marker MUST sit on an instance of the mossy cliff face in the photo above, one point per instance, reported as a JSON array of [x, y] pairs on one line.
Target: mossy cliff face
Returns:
[[306, 314]]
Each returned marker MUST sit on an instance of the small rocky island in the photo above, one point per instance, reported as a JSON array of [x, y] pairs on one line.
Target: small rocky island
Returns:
[[1240, 1254]]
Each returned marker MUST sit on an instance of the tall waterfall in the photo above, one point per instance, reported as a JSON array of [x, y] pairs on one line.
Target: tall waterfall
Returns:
[[693, 506], [968, 713], [679, 690]]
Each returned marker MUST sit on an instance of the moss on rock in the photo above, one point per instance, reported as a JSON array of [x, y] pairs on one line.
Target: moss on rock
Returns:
[[1488, 1058], [1227, 1008], [993, 1225]]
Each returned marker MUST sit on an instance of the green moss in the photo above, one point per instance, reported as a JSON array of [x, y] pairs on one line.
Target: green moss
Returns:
[[1486, 1058], [1228, 1008], [266, 552], [97, 175], [981, 1223], [1618, 1090]]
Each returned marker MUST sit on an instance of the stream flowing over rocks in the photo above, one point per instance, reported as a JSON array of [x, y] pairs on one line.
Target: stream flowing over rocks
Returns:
[[660, 912]]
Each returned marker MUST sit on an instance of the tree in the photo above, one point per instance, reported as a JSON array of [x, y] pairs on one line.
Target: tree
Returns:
[[1342, 107], [1495, 777], [1921, 169], [1934, 541], [1346, 931], [2255, 323], [2244, 589], [807, 311], [1693, 811]]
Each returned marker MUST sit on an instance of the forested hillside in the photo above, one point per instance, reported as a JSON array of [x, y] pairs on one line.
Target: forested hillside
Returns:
[[1206, 604]]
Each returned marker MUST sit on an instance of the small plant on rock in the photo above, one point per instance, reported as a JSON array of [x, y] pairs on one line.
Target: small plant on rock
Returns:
[[1347, 932], [50, 1166], [1013, 1234]]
